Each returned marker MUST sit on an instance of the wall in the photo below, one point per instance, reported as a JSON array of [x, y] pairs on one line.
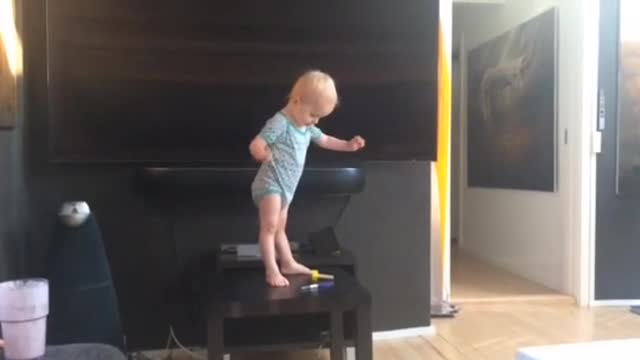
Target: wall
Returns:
[[388, 227], [12, 231], [12, 194], [523, 231], [152, 245], [6, 201]]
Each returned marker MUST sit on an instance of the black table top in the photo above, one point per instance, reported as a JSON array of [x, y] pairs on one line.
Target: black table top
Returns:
[[233, 262], [245, 293]]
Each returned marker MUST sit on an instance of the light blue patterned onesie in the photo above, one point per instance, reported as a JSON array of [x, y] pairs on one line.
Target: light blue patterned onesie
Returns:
[[288, 145]]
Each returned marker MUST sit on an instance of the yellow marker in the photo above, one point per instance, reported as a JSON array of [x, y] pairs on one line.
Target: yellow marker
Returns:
[[316, 276]]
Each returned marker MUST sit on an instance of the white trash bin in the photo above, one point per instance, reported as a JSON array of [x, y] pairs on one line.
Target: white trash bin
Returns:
[[24, 307]]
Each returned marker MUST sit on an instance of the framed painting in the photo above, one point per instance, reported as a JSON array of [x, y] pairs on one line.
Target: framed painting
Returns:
[[512, 107]]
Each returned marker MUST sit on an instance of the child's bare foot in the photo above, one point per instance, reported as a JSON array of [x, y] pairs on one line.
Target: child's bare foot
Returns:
[[295, 268], [276, 279]]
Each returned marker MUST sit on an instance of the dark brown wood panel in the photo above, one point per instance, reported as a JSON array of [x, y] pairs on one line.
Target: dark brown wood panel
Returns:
[[154, 80]]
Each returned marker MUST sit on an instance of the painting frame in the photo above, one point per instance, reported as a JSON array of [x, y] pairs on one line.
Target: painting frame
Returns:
[[512, 123]]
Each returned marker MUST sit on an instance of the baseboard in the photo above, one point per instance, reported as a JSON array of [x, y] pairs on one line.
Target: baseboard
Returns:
[[603, 303], [404, 333]]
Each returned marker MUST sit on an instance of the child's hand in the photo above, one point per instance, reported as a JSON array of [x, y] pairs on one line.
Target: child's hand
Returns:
[[356, 143], [260, 150], [268, 156], [265, 156]]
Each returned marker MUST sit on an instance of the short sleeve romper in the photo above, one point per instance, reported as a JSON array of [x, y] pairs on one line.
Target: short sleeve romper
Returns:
[[289, 145]]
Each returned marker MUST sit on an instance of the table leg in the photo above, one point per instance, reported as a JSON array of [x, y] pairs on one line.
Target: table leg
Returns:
[[363, 336], [337, 336], [215, 338]]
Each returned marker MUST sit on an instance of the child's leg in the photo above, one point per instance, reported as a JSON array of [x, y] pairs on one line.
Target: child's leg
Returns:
[[269, 220], [288, 264]]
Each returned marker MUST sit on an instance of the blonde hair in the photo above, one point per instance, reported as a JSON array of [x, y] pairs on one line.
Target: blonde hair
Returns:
[[312, 84]]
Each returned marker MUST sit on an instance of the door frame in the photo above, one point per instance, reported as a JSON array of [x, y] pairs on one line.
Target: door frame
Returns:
[[583, 140], [584, 164]]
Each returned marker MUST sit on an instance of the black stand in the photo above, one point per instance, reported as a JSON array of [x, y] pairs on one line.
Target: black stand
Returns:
[[444, 310], [83, 300]]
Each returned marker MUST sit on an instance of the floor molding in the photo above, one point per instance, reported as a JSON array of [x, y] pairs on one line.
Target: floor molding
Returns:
[[404, 333], [558, 299], [603, 303]]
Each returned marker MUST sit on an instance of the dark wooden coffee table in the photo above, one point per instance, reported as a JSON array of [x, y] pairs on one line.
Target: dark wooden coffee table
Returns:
[[245, 314]]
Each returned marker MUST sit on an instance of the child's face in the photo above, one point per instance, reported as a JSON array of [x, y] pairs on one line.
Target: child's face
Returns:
[[309, 113]]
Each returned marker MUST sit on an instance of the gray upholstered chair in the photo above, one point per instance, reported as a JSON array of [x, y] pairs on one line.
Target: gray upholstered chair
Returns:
[[82, 352]]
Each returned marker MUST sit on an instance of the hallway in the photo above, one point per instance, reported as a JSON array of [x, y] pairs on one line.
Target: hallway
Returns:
[[474, 281]]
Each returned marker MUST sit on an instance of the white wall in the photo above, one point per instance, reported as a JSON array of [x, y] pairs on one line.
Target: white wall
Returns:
[[526, 232]]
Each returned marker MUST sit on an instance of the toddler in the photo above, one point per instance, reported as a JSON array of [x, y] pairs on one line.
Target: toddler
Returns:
[[281, 148]]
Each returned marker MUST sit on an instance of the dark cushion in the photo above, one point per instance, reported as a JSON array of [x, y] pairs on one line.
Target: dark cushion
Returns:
[[82, 352]]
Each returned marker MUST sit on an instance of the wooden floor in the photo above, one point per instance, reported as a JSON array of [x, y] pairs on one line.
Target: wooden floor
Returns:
[[495, 332], [474, 281], [500, 313]]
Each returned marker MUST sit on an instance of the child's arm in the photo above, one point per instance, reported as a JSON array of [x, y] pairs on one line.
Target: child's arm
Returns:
[[260, 145], [335, 144], [259, 149]]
